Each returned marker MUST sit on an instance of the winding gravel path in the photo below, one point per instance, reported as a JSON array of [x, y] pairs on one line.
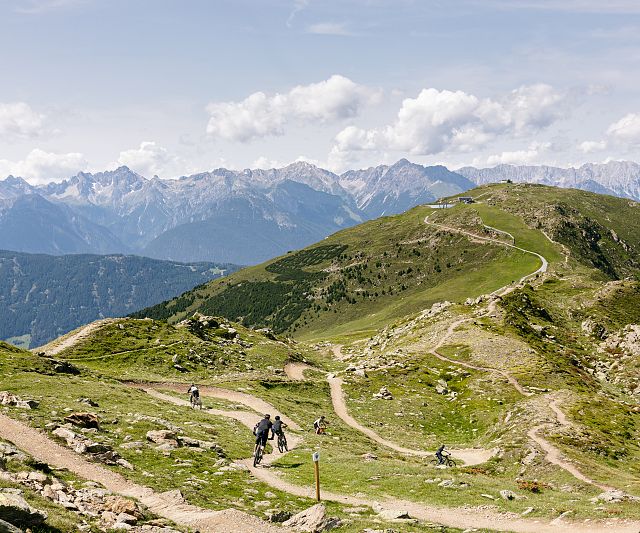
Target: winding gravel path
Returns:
[[553, 454], [166, 504], [463, 518]]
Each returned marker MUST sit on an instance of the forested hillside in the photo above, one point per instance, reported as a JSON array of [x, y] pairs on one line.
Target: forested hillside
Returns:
[[44, 296]]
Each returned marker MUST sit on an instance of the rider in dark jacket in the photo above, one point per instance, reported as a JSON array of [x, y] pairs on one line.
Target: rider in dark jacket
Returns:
[[261, 430]]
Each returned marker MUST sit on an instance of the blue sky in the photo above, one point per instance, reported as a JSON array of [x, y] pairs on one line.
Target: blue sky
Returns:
[[175, 87]]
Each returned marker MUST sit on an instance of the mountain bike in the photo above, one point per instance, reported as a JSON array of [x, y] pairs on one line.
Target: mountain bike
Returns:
[[195, 401], [258, 452], [447, 461], [282, 443]]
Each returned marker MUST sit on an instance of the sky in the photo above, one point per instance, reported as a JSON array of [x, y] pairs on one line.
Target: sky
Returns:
[[175, 87]]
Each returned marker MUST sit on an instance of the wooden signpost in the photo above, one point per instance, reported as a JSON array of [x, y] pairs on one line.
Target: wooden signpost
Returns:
[[316, 469]]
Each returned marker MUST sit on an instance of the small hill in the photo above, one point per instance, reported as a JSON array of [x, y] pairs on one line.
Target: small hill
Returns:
[[44, 296], [367, 276], [148, 350]]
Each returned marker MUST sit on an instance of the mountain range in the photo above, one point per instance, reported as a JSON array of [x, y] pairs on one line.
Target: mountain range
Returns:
[[248, 216], [44, 296]]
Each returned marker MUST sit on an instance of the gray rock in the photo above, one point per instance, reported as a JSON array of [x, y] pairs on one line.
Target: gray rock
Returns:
[[313, 520], [508, 495], [277, 516], [15, 510], [394, 514]]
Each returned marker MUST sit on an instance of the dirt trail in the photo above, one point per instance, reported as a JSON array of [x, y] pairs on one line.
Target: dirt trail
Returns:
[[553, 454], [544, 263], [463, 518], [62, 343], [250, 401], [470, 456], [295, 371], [168, 505]]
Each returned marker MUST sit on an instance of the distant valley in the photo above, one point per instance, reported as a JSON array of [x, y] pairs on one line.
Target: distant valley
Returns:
[[44, 296]]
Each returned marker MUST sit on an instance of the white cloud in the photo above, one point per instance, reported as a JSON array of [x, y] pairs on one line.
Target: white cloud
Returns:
[[298, 6], [151, 159], [329, 28], [437, 121], [260, 115], [19, 121], [589, 147], [264, 163], [626, 130], [532, 155], [42, 167]]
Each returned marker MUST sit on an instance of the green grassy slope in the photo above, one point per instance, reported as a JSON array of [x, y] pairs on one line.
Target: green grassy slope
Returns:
[[366, 276]]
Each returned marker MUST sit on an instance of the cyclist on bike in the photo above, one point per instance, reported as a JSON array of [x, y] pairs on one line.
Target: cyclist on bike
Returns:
[[261, 430], [277, 428], [320, 425], [194, 393], [440, 454]]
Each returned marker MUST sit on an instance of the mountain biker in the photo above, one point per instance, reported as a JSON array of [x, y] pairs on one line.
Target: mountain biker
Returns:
[[440, 455], [193, 392], [320, 425], [261, 430], [277, 428]]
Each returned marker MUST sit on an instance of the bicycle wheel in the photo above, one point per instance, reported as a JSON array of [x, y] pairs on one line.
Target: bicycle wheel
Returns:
[[434, 462], [284, 443], [280, 443], [257, 455], [451, 463]]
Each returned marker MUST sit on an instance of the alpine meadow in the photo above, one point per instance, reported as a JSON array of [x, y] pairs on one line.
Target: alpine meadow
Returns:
[[298, 266]]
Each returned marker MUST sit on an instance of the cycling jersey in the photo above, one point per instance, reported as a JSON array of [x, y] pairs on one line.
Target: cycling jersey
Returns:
[[277, 426], [264, 425]]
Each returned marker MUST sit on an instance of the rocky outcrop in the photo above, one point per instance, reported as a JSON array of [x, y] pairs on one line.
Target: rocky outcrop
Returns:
[[15, 510], [9, 399], [313, 520]]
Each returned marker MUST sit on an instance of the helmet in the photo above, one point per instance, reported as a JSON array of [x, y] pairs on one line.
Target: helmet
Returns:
[[322, 417], [277, 417], [267, 415]]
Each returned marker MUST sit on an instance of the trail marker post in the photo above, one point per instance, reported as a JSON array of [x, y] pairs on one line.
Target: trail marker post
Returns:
[[316, 469]]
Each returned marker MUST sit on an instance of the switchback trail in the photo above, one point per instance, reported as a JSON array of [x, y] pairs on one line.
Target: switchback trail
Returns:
[[257, 404], [553, 454], [470, 456], [167, 504], [463, 518]]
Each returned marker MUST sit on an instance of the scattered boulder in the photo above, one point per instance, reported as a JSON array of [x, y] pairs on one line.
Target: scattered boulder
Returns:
[[313, 520], [369, 457], [508, 495], [615, 496], [66, 434], [163, 437], [15, 510], [11, 400], [88, 401], [64, 367], [442, 387], [394, 514], [383, 394], [277, 515], [592, 328], [83, 420]]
